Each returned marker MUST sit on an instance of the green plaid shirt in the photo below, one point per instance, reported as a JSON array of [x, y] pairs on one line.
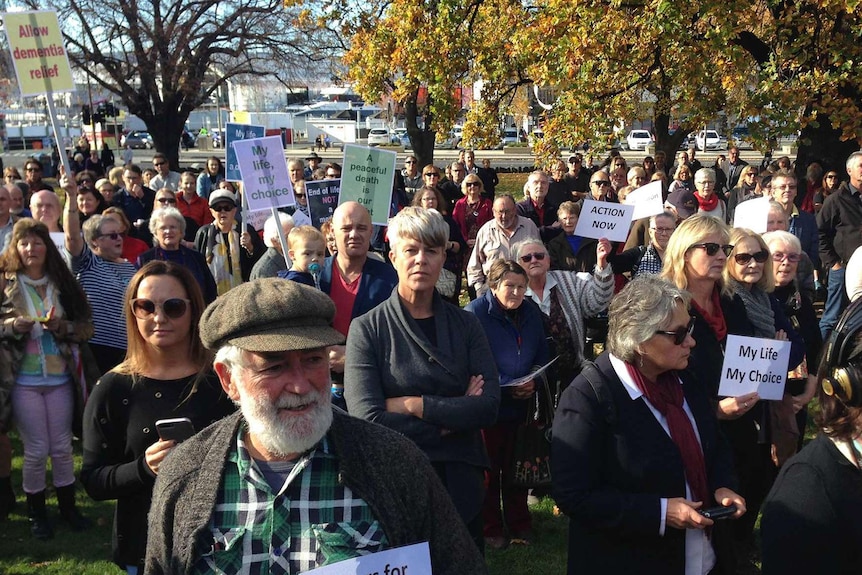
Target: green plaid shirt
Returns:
[[313, 520]]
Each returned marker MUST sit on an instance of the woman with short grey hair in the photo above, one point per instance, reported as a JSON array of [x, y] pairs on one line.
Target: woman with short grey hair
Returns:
[[168, 227], [636, 452], [423, 367]]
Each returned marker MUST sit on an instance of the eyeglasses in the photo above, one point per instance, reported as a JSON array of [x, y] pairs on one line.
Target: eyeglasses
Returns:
[[831, 176], [157, 164], [705, 182], [114, 236], [409, 162], [166, 201], [223, 208], [745, 259], [431, 174], [750, 175], [174, 308], [473, 184], [712, 248], [680, 333], [298, 195], [538, 256], [663, 230], [781, 256], [32, 169], [602, 183]]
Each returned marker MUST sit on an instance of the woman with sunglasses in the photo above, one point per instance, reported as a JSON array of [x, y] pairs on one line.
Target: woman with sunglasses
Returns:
[[749, 276], [567, 299], [831, 183], [98, 264], [166, 374], [44, 316], [787, 255], [132, 247], [515, 330], [636, 453], [473, 210]]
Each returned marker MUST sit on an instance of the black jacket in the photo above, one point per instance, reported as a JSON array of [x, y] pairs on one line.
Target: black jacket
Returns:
[[838, 224]]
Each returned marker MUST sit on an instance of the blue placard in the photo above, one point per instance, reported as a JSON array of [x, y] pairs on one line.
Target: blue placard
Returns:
[[235, 133]]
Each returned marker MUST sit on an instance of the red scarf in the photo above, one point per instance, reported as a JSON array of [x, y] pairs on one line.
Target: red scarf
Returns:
[[707, 204], [665, 394], [716, 319]]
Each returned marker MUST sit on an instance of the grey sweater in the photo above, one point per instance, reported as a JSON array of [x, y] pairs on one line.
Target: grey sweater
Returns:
[[383, 468]]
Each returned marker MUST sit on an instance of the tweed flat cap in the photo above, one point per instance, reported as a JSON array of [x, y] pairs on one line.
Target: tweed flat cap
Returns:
[[270, 314]]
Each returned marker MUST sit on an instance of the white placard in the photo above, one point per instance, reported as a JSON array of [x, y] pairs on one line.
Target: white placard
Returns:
[[754, 364], [752, 214], [407, 560], [604, 220], [266, 183], [59, 239], [647, 200]]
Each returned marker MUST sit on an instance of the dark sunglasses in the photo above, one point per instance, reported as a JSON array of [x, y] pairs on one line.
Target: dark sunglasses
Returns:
[[435, 174], [223, 208], [174, 308], [602, 183], [680, 333], [158, 164], [473, 184], [538, 256], [712, 248], [409, 162], [781, 256], [167, 201], [744, 259], [115, 236]]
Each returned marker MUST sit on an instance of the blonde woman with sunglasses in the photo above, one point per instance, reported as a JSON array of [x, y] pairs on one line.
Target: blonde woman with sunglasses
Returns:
[[166, 375]]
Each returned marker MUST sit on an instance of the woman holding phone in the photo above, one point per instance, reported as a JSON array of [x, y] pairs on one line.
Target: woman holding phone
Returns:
[[166, 375]]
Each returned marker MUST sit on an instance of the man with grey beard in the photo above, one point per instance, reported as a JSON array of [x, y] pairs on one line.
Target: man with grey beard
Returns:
[[290, 483]]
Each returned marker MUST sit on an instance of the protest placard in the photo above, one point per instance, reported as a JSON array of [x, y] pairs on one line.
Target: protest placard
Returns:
[[235, 133], [408, 560], [266, 183], [366, 177], [752, 214], [754, 364], [604, 220], [322, 200], [647, 200], [38, 54]]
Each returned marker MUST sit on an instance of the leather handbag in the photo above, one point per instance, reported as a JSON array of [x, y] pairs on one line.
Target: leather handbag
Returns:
[[532, 452]]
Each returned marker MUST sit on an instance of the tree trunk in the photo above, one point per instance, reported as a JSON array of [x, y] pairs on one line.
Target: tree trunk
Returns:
[[422, 139], [665, 141], [822, 144]]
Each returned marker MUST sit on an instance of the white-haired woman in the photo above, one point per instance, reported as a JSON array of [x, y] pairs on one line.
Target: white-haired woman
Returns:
[[636, 450], [168, 227], [708, 202], [424, 367]]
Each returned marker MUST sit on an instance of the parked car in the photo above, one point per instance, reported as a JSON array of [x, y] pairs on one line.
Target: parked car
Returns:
[[510, 136], [638, 139], [397, 134], [138, 140], [708, 140], [378, 137], [741, 137]]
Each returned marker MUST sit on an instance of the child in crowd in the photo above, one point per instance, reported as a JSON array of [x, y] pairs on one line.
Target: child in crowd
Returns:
[[306, 248]]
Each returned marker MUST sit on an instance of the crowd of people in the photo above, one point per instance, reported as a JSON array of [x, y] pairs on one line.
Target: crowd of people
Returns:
[[144, 297]]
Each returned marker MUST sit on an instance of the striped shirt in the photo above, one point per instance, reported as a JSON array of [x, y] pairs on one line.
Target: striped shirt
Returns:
[[313, 520], [105, 284]]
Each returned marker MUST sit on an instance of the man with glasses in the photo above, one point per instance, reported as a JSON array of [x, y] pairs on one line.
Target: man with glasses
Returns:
[[313, 163], [451, 189], [803, 225], [98, 264], [495, 240], [839, 223], [537, 208], [165, 177], [33, 176], [600, 186], [333, 171], [412, 177]]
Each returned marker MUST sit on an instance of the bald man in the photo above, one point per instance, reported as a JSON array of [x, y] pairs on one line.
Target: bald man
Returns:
[[45, 207], [355, 282]]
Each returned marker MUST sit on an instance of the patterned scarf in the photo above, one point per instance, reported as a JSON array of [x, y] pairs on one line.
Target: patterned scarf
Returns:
[[757, 307], [223, 260]]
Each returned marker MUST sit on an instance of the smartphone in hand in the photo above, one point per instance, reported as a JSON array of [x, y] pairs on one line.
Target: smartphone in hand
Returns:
[[716, 513], [177, 429]]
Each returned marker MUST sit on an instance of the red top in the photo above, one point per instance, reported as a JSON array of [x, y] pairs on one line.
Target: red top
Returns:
[[343, 294], [132, 248], [197, 209]]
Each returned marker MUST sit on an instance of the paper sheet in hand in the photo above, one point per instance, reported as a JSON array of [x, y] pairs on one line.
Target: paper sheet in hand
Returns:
[[530, 376], [407, 560], [752, 214], [646, 200], [604, 220], [754, 364]]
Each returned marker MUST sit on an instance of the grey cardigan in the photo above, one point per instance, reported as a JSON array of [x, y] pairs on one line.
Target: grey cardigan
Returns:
[[388, 355], [383, 468]]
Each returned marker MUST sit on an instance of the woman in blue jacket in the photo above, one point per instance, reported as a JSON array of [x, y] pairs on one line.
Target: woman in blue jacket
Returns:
[[517, 337]]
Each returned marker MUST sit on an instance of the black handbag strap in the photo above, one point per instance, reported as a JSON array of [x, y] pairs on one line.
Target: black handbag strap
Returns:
[[599, 384]]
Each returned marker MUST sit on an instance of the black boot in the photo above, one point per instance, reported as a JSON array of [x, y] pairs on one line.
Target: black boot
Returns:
[[7, 497], [68, 510], [40, 528]]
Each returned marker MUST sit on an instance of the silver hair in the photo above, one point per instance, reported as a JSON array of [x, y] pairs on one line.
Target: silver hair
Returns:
[[518, 248], [708, 172], [420, 224], [852, 157], [644, 306], [229, 355], [270, 230], [161, 214], [785, 238], [92, 228]]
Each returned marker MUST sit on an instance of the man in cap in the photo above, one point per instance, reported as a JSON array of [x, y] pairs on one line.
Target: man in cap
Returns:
[[290, 483], [313, 163]]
